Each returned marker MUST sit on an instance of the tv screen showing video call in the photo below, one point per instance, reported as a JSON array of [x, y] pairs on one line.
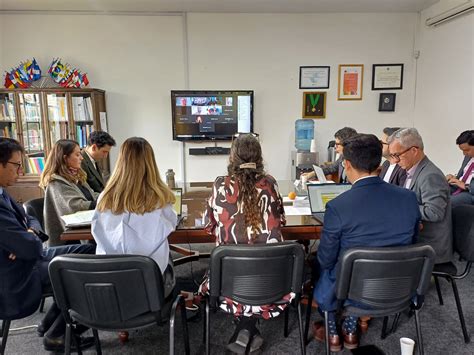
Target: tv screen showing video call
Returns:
[[211, 115]]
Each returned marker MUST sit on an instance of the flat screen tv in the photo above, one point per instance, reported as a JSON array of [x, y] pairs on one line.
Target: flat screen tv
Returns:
[[211, 115]]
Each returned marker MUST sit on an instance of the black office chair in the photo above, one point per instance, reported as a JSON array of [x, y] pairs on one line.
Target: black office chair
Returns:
[[388, 280], [256, 274], [463, 235], [35, 208], [113, 293], [5, 329]]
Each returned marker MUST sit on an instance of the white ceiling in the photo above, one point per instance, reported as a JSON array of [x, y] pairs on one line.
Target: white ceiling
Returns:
[[249, 6]]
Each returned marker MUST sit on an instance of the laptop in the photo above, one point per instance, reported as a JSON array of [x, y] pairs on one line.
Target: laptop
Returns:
[[320, 174], [320, 194], [178, 203]]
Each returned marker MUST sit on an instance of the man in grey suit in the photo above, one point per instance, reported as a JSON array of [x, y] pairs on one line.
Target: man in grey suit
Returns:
[[462, 184], [431, 189], [98, 147]]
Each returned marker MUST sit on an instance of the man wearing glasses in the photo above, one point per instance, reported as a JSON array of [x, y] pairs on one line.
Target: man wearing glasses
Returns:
[[431, 189], [390, 171], [23, 261], [336, 167]]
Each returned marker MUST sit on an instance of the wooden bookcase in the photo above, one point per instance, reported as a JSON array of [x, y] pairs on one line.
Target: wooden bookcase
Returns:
[[38, 117]]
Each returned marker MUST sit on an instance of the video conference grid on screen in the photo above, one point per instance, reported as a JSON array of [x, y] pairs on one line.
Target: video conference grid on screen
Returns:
[[201, 116]]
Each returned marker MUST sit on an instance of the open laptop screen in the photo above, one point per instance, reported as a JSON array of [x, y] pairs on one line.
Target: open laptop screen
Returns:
[[178, 204], [320, 194]]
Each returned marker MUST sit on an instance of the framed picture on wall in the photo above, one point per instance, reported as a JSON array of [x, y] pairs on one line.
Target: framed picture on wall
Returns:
[[351, 77], [314, 77], [387, 102], [314, 104], [387, 76]]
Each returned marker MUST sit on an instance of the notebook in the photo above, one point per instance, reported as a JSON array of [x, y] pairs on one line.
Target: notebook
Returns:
[[320, 194]]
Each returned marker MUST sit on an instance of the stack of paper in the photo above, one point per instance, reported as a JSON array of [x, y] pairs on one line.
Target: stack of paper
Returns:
[[78, 219]]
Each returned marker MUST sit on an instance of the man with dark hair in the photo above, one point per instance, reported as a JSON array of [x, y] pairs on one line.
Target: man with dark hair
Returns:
[[462, 184], [391, 172], [336, 167], [98, 147], [389, 217], [23, 261]]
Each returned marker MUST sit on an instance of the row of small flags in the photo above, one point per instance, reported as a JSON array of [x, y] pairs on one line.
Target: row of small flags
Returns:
[[66, 76], [63, 74], [23, 75]]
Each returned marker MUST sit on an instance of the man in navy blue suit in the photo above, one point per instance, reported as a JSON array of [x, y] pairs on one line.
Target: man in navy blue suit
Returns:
[[372, 213], [23, 261]]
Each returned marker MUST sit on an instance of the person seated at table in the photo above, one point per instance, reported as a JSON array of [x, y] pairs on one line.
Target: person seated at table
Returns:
[[390, 217], [66, 188], [462, 184], [336, 167], [246, 208], [390, 171], [134, 213], [23, 260]]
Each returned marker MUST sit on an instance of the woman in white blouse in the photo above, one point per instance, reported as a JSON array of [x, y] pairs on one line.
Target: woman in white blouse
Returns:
[[134, 213]]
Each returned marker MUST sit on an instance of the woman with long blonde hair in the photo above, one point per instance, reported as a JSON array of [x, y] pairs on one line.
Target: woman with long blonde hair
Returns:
[[66, 188], [134, 214]]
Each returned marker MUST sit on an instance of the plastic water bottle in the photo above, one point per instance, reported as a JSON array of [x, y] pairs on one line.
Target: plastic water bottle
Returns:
[[170, 179], [304, 133]]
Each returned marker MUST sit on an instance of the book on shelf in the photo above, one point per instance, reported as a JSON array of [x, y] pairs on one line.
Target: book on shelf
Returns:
[[82, 108], [83, 132], [35, 165], [7, 132], [57, 109]]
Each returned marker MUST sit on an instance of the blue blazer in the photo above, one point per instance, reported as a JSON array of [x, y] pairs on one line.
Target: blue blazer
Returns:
[[372, 213], [20, 281]]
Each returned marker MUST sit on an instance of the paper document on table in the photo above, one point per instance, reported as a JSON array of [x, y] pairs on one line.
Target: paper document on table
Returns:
[[78, 219], [297, 211]]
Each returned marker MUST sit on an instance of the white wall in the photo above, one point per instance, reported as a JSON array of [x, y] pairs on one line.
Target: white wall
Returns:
[[136, 59], [264, 53], [139, 59], [444, 95]]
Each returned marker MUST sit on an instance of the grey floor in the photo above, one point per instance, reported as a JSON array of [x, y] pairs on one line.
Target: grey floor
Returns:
[[440, 327]]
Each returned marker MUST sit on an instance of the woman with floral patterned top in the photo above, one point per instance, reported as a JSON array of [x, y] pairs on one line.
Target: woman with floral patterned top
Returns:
[[246, 208]]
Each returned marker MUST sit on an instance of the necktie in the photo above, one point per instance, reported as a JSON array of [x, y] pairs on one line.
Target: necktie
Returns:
[[464, 178]]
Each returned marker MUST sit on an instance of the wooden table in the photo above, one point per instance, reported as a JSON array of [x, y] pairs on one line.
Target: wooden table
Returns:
[[310, 230], [303, 228]]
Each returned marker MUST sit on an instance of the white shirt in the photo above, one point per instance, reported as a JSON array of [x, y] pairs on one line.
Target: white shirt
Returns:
[[130, 233], [388, 173]]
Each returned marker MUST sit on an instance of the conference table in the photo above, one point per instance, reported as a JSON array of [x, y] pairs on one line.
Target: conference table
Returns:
[[300, 225]]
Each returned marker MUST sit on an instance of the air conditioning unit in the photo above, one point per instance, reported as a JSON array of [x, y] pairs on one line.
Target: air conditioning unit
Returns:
[[450, 14]]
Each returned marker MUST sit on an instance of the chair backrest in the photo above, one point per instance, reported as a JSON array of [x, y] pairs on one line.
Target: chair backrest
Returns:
[[385, 278], [35, 208], [463, 231], [103, 290], [256, 274]]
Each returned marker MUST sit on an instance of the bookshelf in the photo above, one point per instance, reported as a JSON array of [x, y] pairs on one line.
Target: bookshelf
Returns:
[[38, 117]]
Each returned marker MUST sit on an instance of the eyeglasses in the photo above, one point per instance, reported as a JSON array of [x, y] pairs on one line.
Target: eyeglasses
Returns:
[[337, 144], [237, 135], [383, 143], [18, 165], [397, 156]]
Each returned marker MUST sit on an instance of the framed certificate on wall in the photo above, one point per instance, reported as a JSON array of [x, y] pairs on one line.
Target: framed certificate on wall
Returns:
[[351, 77], [314, 77], [387, 77]]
